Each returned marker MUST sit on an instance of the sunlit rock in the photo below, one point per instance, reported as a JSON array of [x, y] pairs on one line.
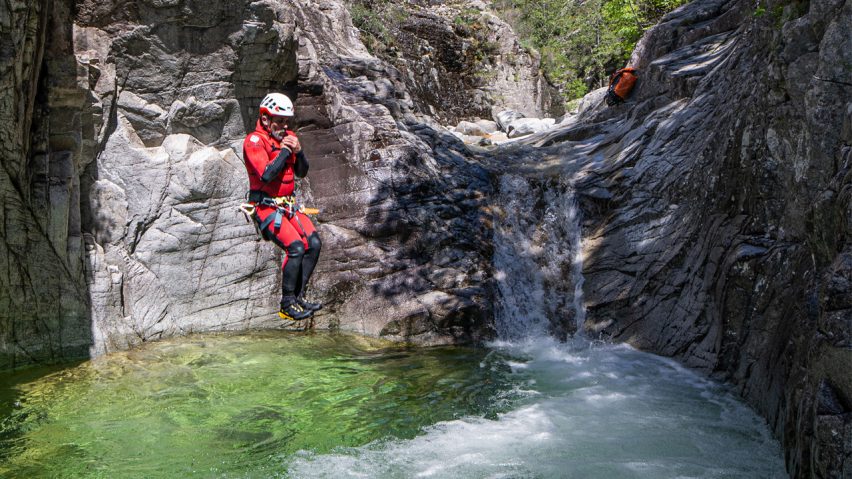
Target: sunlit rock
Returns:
[[528, 126]]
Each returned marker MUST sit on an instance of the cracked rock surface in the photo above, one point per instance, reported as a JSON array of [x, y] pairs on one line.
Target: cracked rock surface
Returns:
[[123, 173], [717, 206]]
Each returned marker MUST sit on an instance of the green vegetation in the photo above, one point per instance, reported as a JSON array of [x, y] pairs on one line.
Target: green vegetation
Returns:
[[468, 17], [582, 42], [469, 25], [374, 19]]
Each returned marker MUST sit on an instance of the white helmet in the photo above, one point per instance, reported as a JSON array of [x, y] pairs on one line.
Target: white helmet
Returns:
[[276, 104]]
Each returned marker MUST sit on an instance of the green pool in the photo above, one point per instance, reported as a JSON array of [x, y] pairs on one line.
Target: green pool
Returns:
[[332, 405]]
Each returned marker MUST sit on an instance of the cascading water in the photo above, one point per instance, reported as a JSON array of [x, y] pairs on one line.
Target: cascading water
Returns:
[[577, 265], [537, 246], [520, 309]]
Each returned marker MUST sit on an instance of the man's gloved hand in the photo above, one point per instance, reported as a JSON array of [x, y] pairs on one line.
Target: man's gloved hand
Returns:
[[291, 142]]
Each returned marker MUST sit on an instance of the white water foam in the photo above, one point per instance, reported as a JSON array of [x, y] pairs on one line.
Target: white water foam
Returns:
[[601, 411], [577, 265]]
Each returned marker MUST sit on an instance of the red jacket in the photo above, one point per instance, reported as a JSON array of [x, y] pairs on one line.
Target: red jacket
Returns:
[[260, 150]]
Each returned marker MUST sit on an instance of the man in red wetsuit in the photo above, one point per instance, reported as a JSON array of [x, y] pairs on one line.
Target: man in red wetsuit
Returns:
[[274, 159]]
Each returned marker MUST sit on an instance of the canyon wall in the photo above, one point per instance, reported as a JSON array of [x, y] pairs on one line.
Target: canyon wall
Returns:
[[718, 210], [123, 173]]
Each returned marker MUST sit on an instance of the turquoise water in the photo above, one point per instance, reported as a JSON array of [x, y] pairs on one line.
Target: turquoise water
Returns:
[[331, 405]]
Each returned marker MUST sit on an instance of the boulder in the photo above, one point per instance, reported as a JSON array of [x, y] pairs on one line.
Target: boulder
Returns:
[[468, 139], [505, 117], [477, 128], [528, 126], [498, 137], [592, 101]]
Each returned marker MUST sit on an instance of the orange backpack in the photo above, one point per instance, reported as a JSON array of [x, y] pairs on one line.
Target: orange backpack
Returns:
[[620, 85]]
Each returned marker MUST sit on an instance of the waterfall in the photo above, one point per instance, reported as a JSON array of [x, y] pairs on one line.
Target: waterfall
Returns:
[[576, 236], [538, 260]]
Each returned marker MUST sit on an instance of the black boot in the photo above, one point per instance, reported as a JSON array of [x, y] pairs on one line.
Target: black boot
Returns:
[[312, 307], [292, 311], [291, 276]]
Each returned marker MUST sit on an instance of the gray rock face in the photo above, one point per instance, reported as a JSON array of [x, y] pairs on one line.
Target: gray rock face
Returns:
[[717, 205], [121, 210], [459, 60], [717, 208], [43, 300], [594, 101]]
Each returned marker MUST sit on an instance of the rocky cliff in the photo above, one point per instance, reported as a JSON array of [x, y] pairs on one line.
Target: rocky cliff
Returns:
[[718, 210], [458, 59], [44, 308], [122, 170]]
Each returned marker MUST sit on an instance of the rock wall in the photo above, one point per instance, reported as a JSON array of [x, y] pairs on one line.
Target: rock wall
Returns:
[[44, 305], [123, 175], [459, 60], [717, 210]]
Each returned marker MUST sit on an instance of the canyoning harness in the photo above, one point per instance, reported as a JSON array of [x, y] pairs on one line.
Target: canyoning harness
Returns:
[[285, 207]]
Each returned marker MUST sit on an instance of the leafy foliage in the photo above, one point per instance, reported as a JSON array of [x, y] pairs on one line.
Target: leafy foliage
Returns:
[[373, 18], [582, 41]]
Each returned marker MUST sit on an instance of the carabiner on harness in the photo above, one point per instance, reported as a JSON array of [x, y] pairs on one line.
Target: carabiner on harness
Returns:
[[284, 205]]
